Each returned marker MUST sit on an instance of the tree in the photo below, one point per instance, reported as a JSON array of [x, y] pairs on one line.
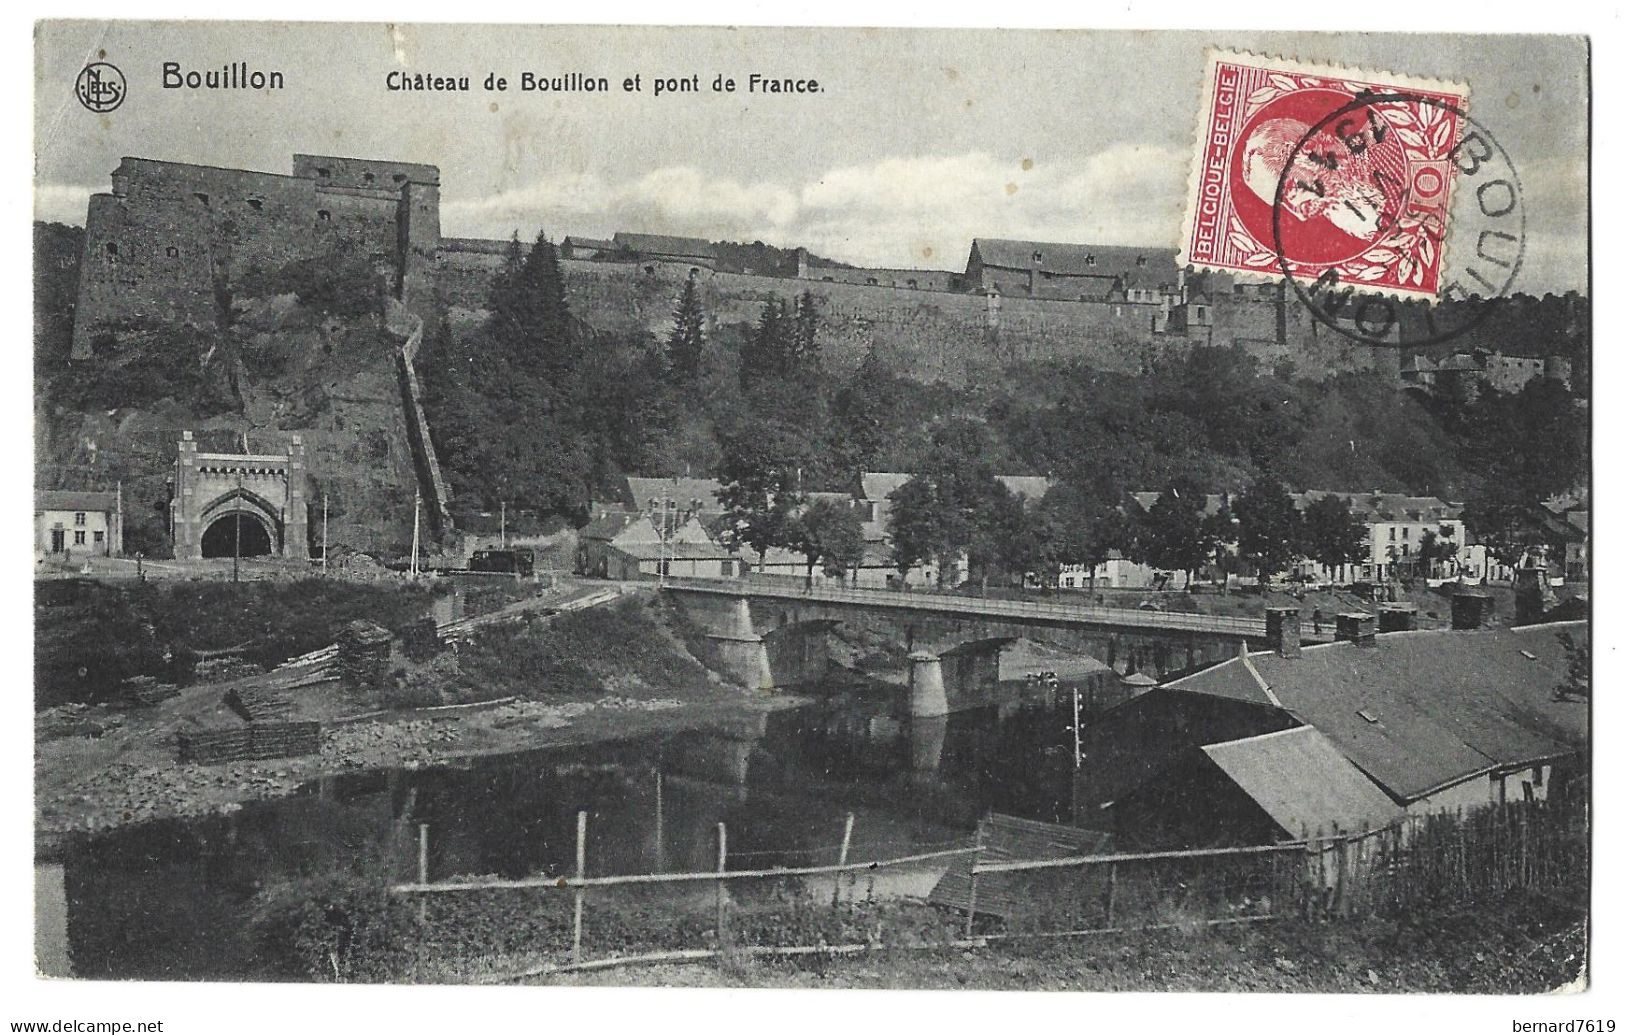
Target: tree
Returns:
[[1174, 533], [761, 484], [763, 356], [1270, 529], [803, 351], [685, 347], [914, 534], [1002, 536], [1436, 547], [1509, 527], [827, 531], [1332, 535]]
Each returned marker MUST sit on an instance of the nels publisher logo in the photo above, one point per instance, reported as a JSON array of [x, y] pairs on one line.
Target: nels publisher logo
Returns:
[[100, 87]]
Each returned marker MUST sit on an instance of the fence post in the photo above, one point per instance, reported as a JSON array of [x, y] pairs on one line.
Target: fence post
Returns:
[[846, 847], [970, 905], [1111, 892], [722, 866], [423, 869], [581, 874]]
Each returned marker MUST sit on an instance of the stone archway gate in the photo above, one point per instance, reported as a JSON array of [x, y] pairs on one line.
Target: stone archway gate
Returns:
[[265, 487]]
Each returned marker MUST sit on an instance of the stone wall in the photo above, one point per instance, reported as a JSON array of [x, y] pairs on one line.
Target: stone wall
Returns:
[[924, 333], [171, 242]]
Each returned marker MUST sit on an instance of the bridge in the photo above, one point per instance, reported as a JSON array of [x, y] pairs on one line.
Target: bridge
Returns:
[[771, 632]]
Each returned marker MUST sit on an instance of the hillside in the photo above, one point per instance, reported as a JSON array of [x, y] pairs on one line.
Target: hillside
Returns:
[[293, 359]]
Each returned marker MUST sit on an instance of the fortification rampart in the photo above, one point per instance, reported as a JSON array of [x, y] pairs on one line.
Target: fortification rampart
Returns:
[[937, 335], [171, 242]]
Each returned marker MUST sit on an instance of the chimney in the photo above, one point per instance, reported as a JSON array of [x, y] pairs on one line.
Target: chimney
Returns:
[[1281, 628], [1359, 627], [1396, 618], [1470, 610]]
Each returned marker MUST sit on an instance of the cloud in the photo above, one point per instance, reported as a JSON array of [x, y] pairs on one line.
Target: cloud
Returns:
[[678, 200], [899, 211], [62, 202]]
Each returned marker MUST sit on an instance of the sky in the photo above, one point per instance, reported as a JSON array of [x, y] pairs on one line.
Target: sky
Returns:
[[918, 141]]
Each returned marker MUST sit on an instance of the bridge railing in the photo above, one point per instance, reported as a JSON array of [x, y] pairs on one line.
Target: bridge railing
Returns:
[[1251, 628]]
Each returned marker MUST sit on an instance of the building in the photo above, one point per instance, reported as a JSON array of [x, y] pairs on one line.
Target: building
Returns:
[[1073, 272], [622, 545], [240, 504], [70, 523], [648, 248], [169, 238], [1433, 720], [675, 497], [1396, 525], [1253, 790], [586, 248], [1462, 376]]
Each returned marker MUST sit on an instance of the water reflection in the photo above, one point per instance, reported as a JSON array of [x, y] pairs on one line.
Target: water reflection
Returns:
[[169, 899]]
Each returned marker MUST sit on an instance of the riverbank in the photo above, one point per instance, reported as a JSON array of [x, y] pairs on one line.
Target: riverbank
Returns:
[[588, 677]]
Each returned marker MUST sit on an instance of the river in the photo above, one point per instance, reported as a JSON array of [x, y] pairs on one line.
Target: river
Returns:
[[170, 899]]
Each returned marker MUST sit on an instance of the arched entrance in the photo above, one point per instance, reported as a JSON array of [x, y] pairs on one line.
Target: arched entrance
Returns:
[[223, 536]]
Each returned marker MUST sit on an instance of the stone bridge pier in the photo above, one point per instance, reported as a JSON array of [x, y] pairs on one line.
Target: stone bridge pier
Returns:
[[778, 638]]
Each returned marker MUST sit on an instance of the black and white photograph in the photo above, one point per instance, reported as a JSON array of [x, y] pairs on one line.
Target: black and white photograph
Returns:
[[812, 508]]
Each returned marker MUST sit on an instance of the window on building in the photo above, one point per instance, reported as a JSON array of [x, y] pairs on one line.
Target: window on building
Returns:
[[204, 198], [400, 177], [78, 539], [367, 177], [1405, 550], [256, 203], [97, 537], [79, 518], [1391, 535], [1139, 260], [1405, 533], [325, 174], [173, 252], [1089, 260], [324, 215], [111, 249], [1038, 256]]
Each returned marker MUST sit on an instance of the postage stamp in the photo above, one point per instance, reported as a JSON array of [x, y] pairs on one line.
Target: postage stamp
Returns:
[[1316, 170]]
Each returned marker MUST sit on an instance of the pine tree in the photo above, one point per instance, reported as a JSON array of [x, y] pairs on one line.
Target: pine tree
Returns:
[[803, 354], [686, 345], [762, 357]]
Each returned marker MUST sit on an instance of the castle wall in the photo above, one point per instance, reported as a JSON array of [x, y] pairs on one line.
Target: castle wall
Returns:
[[932, 335], [172, 241]]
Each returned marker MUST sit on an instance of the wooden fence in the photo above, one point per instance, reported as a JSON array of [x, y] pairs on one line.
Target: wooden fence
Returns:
[[1445, 858]]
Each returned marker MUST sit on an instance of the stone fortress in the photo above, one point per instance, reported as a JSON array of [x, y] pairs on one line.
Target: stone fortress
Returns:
[[170, 242]]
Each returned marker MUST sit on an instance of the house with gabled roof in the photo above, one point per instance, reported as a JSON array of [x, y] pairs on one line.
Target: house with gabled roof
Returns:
[[1433, 720]]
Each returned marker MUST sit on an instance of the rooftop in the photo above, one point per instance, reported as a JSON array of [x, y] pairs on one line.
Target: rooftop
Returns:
[[75, 500], [1300, 779], [1420, 711]]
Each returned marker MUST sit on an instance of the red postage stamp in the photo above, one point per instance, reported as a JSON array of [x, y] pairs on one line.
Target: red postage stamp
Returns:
[[1318, 172]]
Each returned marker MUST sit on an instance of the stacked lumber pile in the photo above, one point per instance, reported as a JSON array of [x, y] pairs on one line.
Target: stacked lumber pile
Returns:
[[259, 701], [362, 657], [259, 740], [147, 690]]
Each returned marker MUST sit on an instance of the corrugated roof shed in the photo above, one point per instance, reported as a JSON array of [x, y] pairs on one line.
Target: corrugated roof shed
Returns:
[[1421, 711], [1303, 782]]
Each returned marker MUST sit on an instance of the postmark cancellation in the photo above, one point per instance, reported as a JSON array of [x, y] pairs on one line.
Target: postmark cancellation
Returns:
[[1323, 173]]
